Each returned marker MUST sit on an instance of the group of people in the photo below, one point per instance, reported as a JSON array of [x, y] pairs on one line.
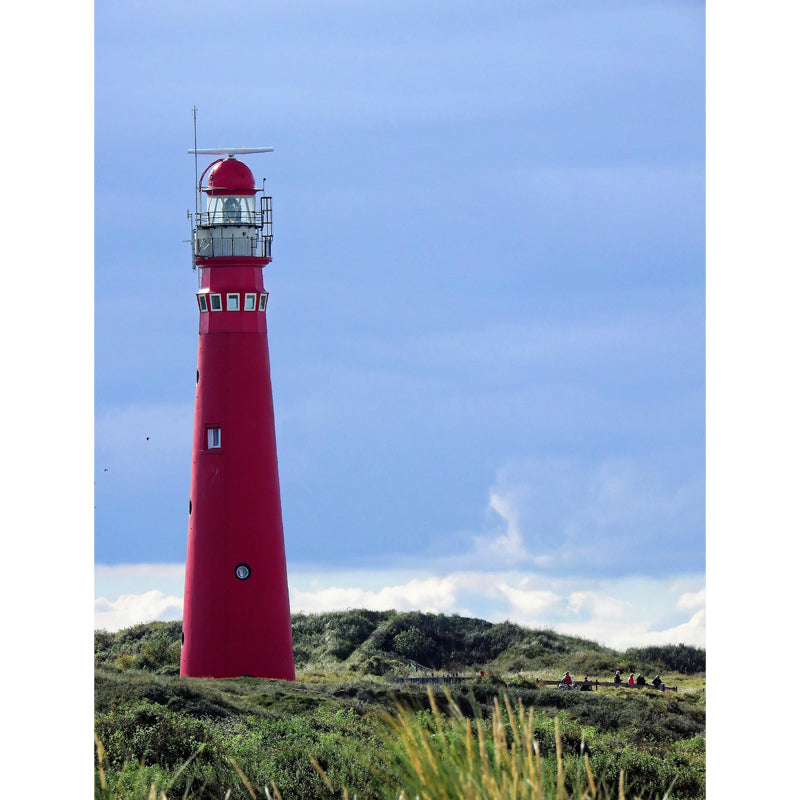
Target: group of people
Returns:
[[568, 683], [640, 680], [586, 685]]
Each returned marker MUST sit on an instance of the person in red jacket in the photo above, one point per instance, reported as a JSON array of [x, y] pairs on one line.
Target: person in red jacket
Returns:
[[630, 680]]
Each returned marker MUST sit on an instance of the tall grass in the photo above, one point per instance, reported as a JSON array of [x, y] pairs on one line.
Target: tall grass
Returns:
[[430, 754], [440, 756], [148, 787]]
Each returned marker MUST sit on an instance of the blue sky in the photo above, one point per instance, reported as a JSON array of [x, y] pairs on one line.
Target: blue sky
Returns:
[[487, 304]]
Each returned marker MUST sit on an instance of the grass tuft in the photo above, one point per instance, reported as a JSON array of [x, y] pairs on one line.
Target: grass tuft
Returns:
[[446, 756]]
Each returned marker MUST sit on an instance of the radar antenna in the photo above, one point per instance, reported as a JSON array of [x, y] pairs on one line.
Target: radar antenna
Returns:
[[229, 151]]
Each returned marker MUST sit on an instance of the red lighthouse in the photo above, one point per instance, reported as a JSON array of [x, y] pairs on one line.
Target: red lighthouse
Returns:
[[236, 600]]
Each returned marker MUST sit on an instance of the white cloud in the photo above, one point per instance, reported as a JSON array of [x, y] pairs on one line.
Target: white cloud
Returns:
[[132, 609], [692, 599], [115, 580], [597, 605], [504, 547], [581, 517], [622, 634], [529, 604], [619, 614], [621, 623], [427, 594]]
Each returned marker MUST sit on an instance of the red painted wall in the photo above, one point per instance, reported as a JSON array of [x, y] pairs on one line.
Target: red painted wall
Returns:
[[235, 627]]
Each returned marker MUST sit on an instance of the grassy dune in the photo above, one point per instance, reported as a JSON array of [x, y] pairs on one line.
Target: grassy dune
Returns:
[[347, 728]]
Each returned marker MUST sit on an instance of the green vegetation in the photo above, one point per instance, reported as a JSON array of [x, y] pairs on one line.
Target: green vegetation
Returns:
[[201, 738]]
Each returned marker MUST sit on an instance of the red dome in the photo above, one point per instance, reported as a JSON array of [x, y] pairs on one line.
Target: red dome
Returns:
[[231, 177]]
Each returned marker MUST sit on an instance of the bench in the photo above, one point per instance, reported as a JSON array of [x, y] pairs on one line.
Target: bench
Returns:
[[576, 685], [637, 686]]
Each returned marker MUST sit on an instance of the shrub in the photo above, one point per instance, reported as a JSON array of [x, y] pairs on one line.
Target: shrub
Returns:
[[414, 644], [150, 733], [674, 658], [124, 661], [156, 652]]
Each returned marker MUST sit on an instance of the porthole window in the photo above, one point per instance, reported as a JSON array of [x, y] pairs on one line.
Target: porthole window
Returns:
[[262, 302], [250, 302], [202, 301], [216, 302], [190, 507], [242, 571], [213, 438], [232, 302]]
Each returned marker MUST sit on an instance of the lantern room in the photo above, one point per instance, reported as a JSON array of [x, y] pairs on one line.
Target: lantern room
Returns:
[[230, 210], [230, 193], [233, 224]]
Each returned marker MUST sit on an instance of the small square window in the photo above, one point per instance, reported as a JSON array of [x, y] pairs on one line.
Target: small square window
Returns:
[[216, 302], [232, 302], [213, 438], [262, 302], [250, 302], [202, 301]]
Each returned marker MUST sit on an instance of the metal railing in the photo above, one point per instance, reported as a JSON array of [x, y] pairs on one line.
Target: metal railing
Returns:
[[203, 218], [262, 217], [226, 246]]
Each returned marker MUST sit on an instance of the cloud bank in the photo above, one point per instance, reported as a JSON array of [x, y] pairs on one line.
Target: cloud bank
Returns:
[[619, 614], [132, 609]]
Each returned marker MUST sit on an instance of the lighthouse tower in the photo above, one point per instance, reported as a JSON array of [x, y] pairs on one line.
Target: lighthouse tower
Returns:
[[236, 602]]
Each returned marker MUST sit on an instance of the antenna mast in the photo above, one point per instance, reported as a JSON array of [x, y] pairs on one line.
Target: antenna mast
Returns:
[[196, 189]]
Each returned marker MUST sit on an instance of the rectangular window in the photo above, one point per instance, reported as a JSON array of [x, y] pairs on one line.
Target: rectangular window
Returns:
[[250, 302], [213, 438], [232, 302], [216, 302], [202, 301], [262, 302], [214, 209]]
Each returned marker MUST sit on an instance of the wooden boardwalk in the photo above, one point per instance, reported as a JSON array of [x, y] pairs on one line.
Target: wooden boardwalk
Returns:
[[576, 685]]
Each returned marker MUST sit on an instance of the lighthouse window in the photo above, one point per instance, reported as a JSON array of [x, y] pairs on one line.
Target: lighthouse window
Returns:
[[216, 302], [214, 438], [231, 209], [262, 302], [202, 301], [250, 302], [233, 302]]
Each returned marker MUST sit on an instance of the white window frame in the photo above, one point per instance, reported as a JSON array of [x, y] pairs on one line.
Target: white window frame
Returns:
[[215, 296], [262, 301], [213, 437], [232, 301], [202, 301], [250, 297]]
